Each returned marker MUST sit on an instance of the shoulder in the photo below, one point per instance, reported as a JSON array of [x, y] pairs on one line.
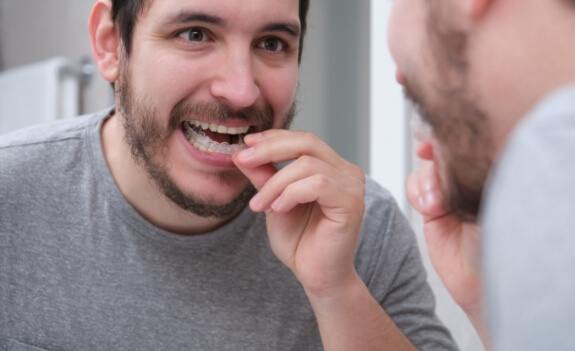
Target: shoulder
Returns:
[[547, 131], [387, 239], [529, 197], [538, 160], [47, 133], [378, 200], [550, 125], [40, 154], [46, 139], [528, 221], [535, 171], [383, 217]]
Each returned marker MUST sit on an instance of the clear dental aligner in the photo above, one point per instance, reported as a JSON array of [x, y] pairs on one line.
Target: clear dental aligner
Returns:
[[197, 137]]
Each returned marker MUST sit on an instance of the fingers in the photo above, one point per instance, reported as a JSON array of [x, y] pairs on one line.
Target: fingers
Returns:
[[316, 173], [315, 169], [298, 193], [278, 145], [338, 203], [303, 167], [259, 175], [424, 191]]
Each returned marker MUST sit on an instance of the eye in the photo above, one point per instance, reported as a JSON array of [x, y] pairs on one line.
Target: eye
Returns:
[[194, 34], [272, 44]]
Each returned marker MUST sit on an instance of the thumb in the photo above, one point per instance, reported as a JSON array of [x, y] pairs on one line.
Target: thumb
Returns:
[[424, 192]]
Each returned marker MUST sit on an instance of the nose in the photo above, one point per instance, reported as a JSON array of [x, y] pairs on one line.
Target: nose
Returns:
[[235, 82]]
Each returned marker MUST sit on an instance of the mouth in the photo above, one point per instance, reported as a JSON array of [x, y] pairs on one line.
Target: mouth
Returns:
[[216, 138]]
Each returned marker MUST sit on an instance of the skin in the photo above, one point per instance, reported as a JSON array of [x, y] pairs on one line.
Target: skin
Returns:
[[503, 69], [233, 68]]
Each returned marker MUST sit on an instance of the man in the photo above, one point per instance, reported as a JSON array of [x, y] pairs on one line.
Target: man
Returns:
[[495, 80], [129, 229]]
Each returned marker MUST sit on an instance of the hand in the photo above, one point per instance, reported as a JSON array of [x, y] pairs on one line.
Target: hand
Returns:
[[453, 245], [314, 206]]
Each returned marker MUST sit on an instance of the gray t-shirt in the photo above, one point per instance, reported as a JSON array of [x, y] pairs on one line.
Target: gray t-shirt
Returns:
[[80, 269], [529, 223]]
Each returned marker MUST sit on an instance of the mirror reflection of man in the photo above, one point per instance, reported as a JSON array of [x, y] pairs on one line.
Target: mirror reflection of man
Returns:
[[131, 230], [495, 81]]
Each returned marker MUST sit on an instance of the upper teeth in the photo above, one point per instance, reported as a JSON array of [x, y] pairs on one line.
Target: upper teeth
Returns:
[[219, 128]]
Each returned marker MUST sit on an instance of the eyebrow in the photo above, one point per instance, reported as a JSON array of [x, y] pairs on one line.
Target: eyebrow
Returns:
[[187, 17], [183, 17], [291, 29]]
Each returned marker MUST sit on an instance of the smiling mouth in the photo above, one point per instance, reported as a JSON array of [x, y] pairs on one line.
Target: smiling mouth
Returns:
[[215, 138]]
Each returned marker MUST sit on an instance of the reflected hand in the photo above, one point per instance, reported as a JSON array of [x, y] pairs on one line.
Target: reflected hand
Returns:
[[453, 245]]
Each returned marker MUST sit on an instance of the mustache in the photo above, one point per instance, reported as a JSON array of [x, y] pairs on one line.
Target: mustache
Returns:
[[261, 117]]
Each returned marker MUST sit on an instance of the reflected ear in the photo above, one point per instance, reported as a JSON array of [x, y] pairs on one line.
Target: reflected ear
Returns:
[[478, 8], [105, 40]]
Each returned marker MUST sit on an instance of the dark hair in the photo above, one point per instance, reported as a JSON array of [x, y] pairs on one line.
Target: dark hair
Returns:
[[125, 14]]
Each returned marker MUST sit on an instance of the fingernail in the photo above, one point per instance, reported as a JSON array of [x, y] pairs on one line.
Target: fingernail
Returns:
[[247, 154], [250, 138], [255, 202]]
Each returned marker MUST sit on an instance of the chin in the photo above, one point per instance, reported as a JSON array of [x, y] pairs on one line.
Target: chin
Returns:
[[214, 189]]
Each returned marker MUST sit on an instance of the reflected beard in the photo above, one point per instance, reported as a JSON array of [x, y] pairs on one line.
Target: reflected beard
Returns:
[[459, 123], [147, 140]]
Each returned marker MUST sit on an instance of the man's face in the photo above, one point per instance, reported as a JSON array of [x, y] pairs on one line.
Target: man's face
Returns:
[[200, 75], [430, 49]]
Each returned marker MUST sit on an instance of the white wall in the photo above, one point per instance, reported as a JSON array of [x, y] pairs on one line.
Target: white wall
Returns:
[[388, 127]]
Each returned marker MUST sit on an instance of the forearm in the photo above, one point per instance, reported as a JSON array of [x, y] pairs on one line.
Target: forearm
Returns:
[[351, 319]]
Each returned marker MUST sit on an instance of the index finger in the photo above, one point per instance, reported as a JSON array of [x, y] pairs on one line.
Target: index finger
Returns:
[[280, 145]]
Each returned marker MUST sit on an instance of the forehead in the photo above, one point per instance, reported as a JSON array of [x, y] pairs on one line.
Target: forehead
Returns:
[[230, 12]]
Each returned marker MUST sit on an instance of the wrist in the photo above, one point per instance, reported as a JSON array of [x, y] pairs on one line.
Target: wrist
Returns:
[[476, 314], [344, 290]]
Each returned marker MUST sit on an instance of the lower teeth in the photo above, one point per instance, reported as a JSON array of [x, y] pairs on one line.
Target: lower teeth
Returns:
[[203, 143]]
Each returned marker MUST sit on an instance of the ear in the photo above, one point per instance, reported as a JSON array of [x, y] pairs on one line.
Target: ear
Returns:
[[105, 40], [478, 8]]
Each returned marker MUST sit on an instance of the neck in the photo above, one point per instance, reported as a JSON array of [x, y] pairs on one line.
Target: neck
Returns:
[[521, 52], [140, 190]]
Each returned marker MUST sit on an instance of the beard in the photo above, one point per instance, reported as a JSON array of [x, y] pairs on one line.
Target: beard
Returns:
[[458, 122], [147, 139]]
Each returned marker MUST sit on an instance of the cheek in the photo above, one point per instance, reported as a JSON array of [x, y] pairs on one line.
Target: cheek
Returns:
[[165, 80], [406, 34], [279, 90]]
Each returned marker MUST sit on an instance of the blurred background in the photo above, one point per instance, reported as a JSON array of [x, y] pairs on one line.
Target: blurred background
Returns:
[[347, 95]]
